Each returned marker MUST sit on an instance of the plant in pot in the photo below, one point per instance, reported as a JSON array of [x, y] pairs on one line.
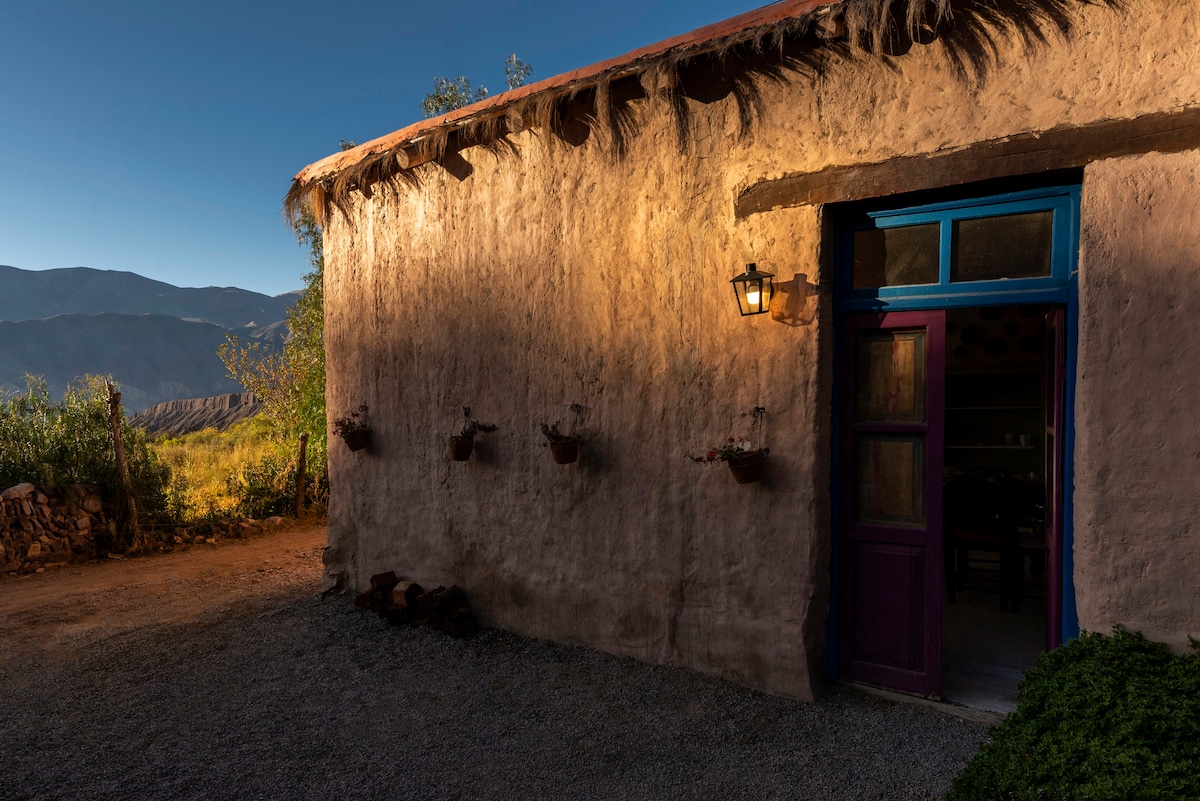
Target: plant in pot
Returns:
[[353, 429], [463, 443], [564, 448], [745, 460]]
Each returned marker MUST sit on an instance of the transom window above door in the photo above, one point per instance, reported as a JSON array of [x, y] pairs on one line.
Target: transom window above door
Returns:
[[1021, 245]]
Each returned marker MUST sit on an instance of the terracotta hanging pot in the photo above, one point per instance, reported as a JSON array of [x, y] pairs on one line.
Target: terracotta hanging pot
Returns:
[[747, 467], [358, 439], [460, 448], [565, 451]]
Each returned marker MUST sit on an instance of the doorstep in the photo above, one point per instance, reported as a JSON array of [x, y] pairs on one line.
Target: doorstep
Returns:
[[946, 707]]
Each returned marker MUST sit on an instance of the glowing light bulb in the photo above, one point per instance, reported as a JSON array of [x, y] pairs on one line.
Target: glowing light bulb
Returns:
[[753, 295]]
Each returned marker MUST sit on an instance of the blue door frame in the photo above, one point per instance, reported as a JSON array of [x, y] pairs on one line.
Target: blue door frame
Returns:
[[1059, 288]]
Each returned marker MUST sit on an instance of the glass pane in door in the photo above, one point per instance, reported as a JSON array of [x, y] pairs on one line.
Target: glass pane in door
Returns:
[[891, 377], [891, 479]]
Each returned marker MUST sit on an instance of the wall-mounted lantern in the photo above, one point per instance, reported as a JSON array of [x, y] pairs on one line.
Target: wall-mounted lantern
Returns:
[[754, 291]]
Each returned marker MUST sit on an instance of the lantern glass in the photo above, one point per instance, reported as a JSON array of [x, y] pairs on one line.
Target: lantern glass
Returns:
[[754, 291]]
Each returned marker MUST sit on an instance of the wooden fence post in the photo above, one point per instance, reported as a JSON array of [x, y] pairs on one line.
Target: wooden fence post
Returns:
[[300, 471], [114, 419]]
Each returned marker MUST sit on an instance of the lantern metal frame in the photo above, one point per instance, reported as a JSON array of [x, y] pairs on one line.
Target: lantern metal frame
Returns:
[[747, 283]]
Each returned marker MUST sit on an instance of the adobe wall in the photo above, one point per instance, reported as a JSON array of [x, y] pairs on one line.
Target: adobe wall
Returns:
[[1137, 519], [561, 276]]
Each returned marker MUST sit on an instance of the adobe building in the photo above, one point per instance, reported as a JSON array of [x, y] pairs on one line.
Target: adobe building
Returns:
[[975, 376]]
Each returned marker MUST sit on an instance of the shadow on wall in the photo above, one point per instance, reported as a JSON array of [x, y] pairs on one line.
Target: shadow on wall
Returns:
[[795, 302]]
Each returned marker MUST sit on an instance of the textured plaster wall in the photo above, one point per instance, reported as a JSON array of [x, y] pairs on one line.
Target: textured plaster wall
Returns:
[[561, 276], [1116, 66], [1137, 537], [556, 278]]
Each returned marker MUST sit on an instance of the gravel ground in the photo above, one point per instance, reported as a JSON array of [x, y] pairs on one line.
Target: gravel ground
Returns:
[[264, 690]]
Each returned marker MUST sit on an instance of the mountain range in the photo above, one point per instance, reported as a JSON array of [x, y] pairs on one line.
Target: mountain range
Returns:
[[157, 340], [36, 294]]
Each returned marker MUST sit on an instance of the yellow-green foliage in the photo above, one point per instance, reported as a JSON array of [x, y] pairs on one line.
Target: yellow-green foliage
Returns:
[[202, 464]]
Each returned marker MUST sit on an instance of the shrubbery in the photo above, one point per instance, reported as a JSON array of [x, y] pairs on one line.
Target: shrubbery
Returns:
[[202, 464], [53, 445], [1099, 718], [268, 487], [245, 471]]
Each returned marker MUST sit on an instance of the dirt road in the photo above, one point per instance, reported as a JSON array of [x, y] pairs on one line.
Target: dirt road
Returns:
[[46, 610]]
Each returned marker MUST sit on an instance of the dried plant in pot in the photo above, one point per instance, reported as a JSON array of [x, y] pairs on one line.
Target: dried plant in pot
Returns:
[[353, 429], [463, 443], [564, 448]]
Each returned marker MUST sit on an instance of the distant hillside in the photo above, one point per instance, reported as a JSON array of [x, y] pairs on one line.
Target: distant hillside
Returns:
[[35, 294], [157, 340], [196, 414], [154, 357]]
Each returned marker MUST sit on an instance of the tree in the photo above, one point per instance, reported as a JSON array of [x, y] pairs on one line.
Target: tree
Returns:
[[451, 93], [291, 383], [516, 71]]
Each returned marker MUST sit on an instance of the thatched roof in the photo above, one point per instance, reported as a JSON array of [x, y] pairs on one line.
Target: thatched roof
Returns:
[[786, 36]]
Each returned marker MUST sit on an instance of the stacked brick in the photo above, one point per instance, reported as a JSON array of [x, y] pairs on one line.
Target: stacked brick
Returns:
[[37, 531], [402, 602]]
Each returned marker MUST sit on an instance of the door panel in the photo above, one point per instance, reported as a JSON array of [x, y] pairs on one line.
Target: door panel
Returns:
[[890, 500], [889, 589]]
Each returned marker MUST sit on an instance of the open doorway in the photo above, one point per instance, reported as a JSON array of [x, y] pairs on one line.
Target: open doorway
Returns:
[[995, 550], [949, 500], [952, 391]]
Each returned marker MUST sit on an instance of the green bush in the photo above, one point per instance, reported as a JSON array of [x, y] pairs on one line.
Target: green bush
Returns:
[[268, 487], [53, 445], [1099, 718]]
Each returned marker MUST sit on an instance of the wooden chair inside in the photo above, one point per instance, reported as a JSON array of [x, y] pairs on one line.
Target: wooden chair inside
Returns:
[[987, 516]]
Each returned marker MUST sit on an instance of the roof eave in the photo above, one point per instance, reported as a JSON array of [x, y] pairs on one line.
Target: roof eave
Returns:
[[629, 64]]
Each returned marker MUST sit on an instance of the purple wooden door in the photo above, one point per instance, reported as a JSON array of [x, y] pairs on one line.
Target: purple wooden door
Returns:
[[1056, 379], [890, 504]]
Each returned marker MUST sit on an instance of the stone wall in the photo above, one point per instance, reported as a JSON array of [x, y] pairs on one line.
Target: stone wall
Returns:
[[37, 531]]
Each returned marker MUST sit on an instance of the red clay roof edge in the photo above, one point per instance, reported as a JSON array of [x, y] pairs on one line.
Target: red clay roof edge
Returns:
[[759, 17]]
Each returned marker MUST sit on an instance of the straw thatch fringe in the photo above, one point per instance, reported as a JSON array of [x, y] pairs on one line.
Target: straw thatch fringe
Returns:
[[972, 42], [604, 118], [616, 120], [969, 31], [623, 116]]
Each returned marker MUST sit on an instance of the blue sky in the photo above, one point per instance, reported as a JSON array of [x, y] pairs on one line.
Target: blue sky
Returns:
[[160, 137]]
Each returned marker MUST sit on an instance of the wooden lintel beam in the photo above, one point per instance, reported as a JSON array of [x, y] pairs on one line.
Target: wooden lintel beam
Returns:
[[1022, 154]]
